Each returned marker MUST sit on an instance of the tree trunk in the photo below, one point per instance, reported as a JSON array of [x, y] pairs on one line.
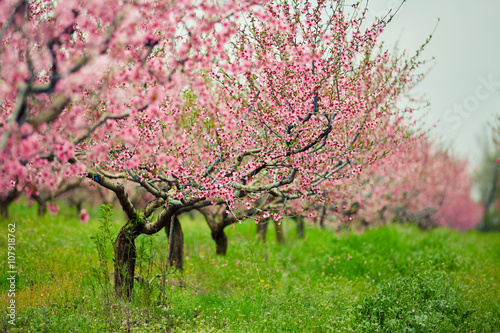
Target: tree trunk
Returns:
[[217, 229], [42, 208], [485, 224], [175, 243], [78, 206], [381, 214], [5, 201], [4, 209], [262, 229], [279, 232], [220, 239], [125, 256], [323, 217], [364, 224], [300, 226]]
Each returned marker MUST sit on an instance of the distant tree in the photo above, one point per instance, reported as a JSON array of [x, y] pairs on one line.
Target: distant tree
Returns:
[[6, 198], [45, 197], [487, 182], [432, 188]]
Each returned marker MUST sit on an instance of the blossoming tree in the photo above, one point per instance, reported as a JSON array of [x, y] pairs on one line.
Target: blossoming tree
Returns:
[[234, 103], [418, 182]]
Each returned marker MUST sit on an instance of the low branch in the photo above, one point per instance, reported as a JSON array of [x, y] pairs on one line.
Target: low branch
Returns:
[[97, 124], [209, 215], [337, 169], [284, 181], [240, 157], [152, 206], [321, 137], [199, 205], [52, 113], [111, 175], [119, 190], [160, 222]]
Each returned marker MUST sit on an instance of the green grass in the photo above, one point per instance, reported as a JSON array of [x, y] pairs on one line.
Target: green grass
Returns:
[[390, 279]]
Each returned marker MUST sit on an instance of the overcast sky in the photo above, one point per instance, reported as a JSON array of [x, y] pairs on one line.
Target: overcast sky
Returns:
[[464, 84]]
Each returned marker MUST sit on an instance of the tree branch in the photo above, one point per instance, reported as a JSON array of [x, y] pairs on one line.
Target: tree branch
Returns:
[[97, 124], [119, 190], [152, 206], [160, 222]]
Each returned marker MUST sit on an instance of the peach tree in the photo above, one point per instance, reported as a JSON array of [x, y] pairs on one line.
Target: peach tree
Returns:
[[238, 103]]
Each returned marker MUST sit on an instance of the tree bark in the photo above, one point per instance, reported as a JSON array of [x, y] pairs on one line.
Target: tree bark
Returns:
[[42, 208], [41, 200], [4, 209], [262, 229], [125, 257], [300, 226], [279, 232], [484, 225], [78, 206], [220, 238], [323, 217], [175, 243], [216, 228], [5, 201], [381, 214]]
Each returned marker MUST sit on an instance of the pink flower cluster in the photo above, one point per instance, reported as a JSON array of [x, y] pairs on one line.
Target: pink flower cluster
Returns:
[[420, 183], [197, 102]]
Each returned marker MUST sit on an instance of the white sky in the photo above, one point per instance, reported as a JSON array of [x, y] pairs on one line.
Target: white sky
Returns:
[[466, 47]]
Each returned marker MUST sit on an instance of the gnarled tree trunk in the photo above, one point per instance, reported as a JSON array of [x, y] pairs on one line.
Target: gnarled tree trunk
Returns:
[[5, 201], [323, 217], [175, 243], [4, 209], [125, 256], [262, 229], [42, 208], [41, 200], [216, 221], [279, 232], [300, 226], [78, 207], [220, 238], [125, 250]]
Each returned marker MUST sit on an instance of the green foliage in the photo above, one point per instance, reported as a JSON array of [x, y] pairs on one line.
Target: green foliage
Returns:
[[323, 283], [420, 302], [103, 241]]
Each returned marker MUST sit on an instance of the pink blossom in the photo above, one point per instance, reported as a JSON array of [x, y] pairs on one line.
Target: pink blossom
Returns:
[[53, 209], [84, 216]]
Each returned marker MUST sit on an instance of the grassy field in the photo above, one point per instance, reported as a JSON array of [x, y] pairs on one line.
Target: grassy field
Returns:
[[389, 279]]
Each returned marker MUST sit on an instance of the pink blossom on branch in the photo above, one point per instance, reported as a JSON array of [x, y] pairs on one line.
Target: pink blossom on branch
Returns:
[[213, 111], [423, 183]]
